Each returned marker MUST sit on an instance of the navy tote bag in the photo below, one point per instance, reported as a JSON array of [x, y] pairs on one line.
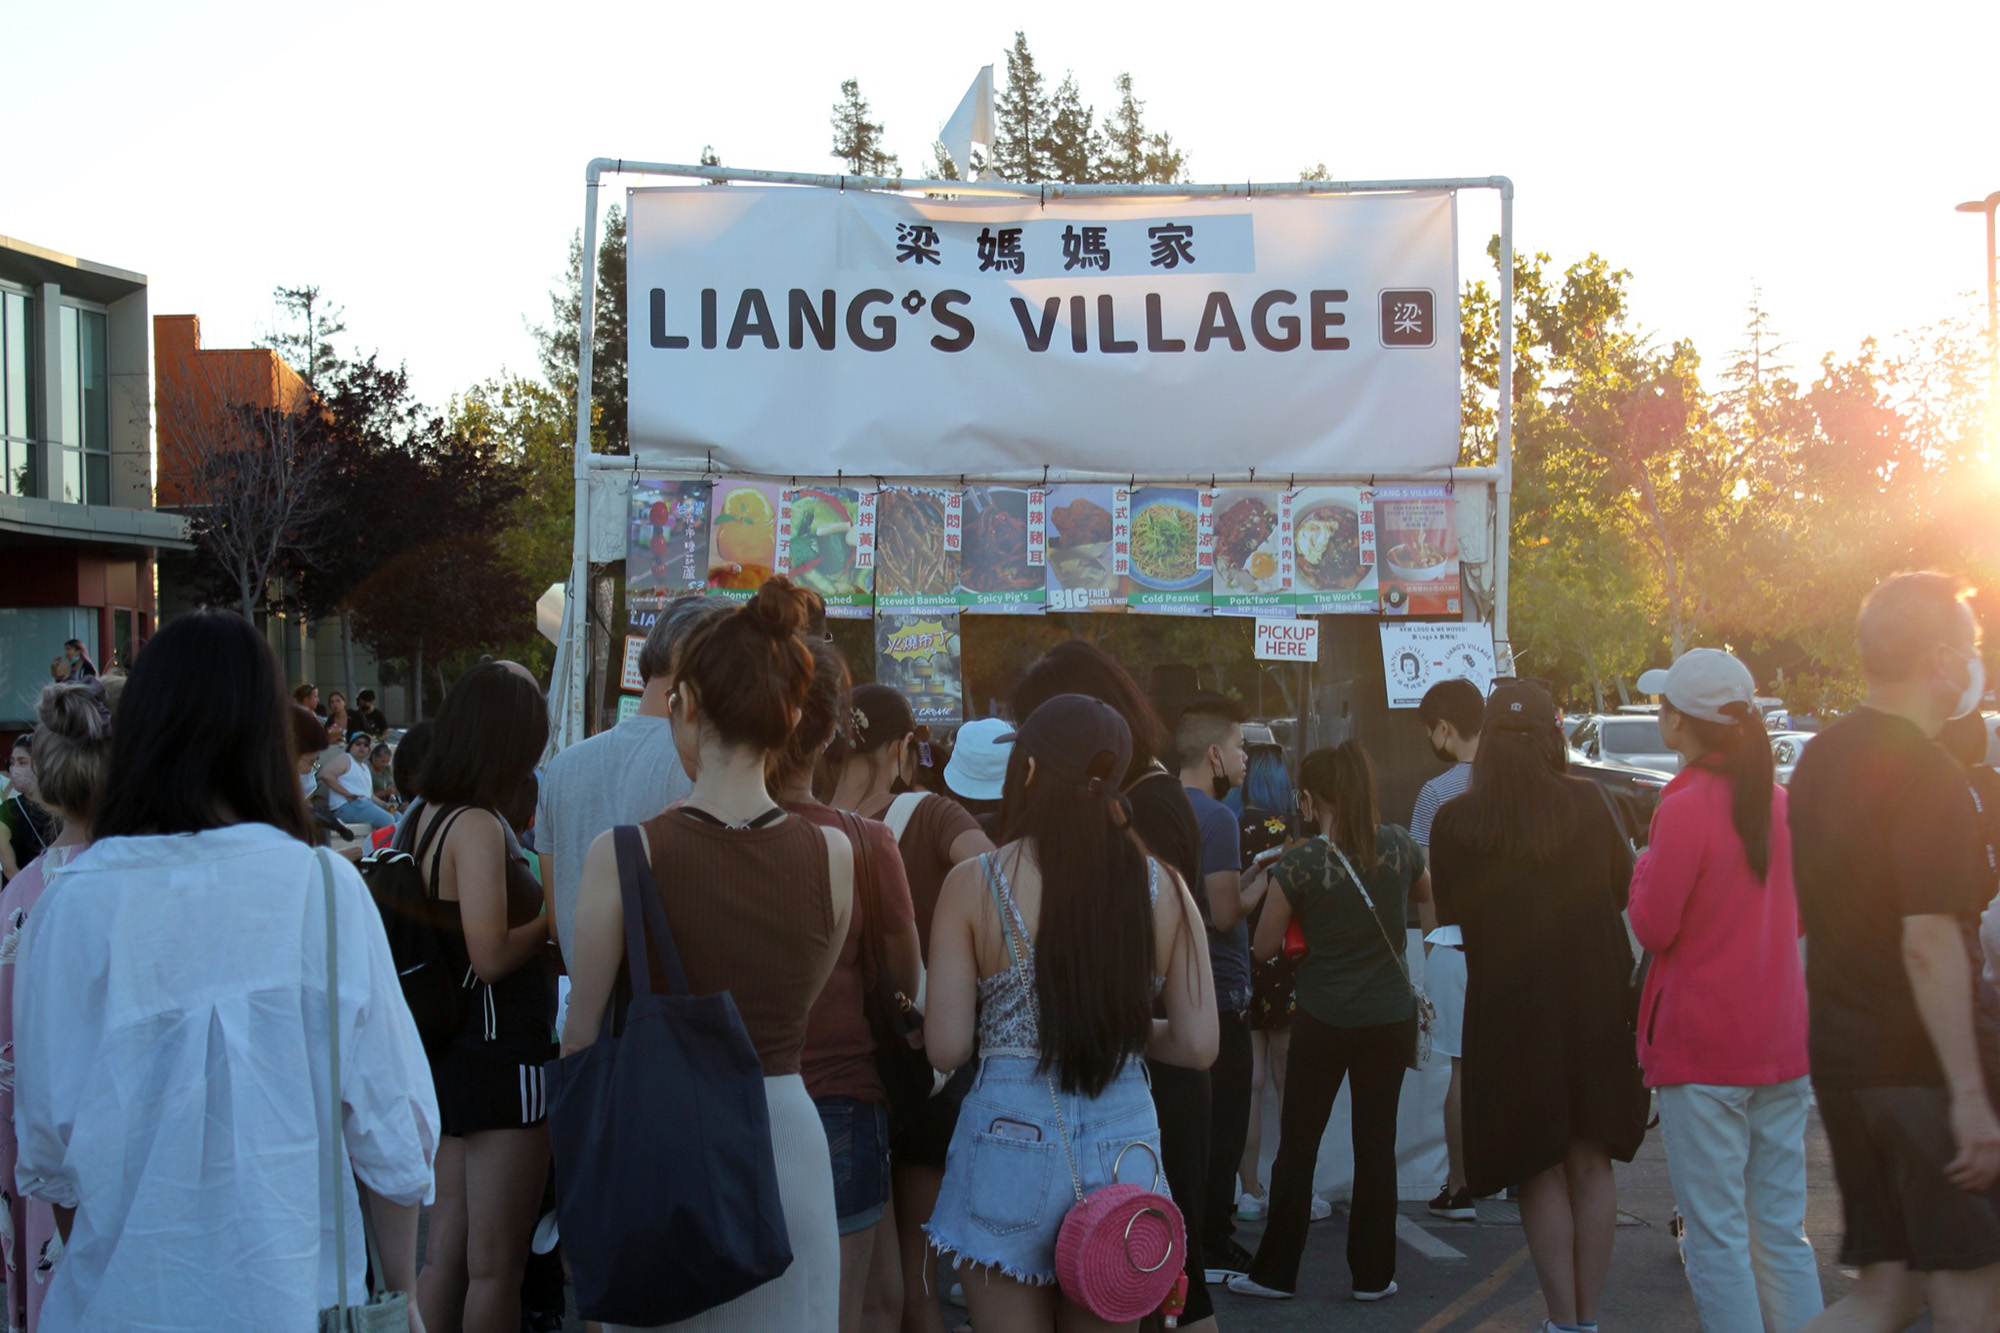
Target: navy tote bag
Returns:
[[666, 1190]]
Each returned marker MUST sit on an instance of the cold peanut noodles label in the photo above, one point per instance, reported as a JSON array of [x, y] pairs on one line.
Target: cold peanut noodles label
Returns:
[[1251, 543], [1164, 552], [998, 568], [1333, 551], [1083, 570]]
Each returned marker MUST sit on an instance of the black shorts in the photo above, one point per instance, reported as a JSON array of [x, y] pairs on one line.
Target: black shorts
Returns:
[[925, 1139], [1890, 1148], [478, 1091]]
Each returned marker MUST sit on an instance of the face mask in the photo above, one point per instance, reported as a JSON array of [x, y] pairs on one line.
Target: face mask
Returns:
[[1219, 784], [1443, 755], [1975, 687]]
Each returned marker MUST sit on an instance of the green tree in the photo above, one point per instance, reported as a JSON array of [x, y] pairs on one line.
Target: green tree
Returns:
[[857, 140], [305, 338], [557, 341], [1076, 149], [1021, 143], [1132, 153]]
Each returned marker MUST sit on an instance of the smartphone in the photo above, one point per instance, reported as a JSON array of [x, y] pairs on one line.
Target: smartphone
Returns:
[[1268, 855], [1003, 1128]]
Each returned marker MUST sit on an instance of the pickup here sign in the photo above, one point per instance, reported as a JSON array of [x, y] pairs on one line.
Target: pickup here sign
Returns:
[[1287, 640]]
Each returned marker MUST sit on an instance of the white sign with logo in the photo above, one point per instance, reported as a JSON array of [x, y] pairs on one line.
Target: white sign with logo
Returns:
[[1287, 640], [807, 332], [1416, 656]]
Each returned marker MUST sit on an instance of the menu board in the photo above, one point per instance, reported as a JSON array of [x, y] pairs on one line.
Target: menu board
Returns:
[[1086, 571], [917, 655], [918, 533], [826, 544], [1417, 537], [1333, 550], [743, 536], [997, 567], [1170, 571], [1253, 575], [666, 546]]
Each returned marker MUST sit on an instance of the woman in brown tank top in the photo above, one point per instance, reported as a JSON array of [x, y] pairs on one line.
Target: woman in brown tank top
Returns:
[[759, 903]]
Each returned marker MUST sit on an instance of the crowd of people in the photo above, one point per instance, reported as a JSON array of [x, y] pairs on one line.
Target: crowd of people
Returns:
[[1114, 925]]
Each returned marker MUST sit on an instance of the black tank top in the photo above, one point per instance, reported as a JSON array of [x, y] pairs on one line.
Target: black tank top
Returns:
[[515, 1017]]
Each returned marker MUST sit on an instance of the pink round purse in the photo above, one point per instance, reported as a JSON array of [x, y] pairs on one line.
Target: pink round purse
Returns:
[[1121, 1247]]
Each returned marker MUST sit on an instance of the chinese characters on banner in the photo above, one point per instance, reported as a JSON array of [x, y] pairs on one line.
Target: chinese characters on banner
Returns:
[[666, 546], [1417, 536], [917, 655]]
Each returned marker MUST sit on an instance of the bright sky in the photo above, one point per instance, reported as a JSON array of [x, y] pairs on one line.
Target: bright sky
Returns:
[[422, 162]]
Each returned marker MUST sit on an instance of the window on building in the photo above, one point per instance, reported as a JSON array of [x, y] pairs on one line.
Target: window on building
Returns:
[[17, 406], [31, 638], [84, 446]]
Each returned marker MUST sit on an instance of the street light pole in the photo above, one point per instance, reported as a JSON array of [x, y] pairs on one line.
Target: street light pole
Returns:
[[1989, 205]]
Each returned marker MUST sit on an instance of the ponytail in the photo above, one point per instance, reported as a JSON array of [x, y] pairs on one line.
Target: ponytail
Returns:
[[1741, 751]]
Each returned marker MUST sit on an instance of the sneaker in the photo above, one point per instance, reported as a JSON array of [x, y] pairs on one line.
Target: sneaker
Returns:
[[955, 1294], [1243, 1286], [1251, 1207], [1381, 1295], [1321, 1210], [1226, 1260], [1458, 1207]]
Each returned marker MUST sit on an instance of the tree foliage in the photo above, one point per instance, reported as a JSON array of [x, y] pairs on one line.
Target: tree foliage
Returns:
[[857, 140], [304, 338], [557, 341]]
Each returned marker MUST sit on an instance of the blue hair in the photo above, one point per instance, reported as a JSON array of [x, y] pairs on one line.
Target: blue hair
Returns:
[[1266, 784]]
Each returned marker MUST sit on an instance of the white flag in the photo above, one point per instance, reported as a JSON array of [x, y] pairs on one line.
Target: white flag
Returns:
[[971, 123]]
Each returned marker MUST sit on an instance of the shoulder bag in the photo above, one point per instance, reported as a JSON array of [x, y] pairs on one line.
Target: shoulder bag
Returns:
[[666, 1186], [894, 1020], [1121, 1248], [1420, 1049], [386, 1311]]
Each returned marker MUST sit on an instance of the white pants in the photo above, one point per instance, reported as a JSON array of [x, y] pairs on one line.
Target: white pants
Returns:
[[1738, 1158]]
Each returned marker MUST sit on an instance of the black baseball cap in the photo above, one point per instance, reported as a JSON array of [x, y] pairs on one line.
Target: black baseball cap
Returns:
[[1070, 736], [1518, 705]]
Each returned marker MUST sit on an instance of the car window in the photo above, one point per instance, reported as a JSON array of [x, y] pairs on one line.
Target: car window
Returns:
[[1634, 736]]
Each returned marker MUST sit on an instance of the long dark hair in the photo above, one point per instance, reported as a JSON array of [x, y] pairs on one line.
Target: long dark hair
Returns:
[[1518, 805], [491, 731], [1076, 667], [202, 736], [1342, 783], [1094, 960], [821, 716], [1741, 752]]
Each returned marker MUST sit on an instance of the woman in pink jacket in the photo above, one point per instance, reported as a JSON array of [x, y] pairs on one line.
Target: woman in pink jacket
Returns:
[[1722, 1023]]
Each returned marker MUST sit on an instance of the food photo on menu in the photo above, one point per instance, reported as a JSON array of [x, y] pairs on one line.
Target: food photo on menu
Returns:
[[1249, 551], [993, 569], [1417, 539], [1167, 572], [1333, 549], [743, 536], [914, 565], [825, 548], [1082, 568]]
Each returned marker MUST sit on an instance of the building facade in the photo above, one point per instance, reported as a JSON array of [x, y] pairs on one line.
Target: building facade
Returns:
[[79, 534]]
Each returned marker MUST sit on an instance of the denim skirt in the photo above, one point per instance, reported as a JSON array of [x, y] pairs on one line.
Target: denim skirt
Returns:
[[1007, 1180]]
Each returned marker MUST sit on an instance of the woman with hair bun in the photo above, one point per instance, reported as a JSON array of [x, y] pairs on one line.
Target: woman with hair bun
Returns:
[[759, 901], [72, 751]]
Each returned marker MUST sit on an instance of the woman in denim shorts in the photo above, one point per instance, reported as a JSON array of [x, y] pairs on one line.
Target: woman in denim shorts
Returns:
[[1051, 950]]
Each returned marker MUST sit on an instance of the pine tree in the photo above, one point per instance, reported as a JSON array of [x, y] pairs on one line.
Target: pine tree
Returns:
[[857, 140], [1021, 148], [1075, 146], [308, 347], [1131, 155]]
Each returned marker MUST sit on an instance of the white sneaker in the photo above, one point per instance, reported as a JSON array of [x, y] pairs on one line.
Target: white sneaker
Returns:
[[1251, 1207], [1381, 1295], [1243, 1286], [1321, 1209]]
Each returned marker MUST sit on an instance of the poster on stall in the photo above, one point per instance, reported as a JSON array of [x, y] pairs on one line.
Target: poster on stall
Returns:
[[997, 566], [1170, 570], [1085, 571], [1418, 545], [917, 655], [826, 544], [1419, 654], [666, 546], [918, 533], [629, 676], [1251, 546], [743, 541], [1333, 551]]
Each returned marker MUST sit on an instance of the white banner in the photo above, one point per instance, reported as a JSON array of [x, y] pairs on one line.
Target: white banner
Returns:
[[807, 332], [1418, 654]]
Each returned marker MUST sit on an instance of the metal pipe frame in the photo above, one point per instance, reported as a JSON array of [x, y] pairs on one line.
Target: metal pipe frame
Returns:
[[572, 654]]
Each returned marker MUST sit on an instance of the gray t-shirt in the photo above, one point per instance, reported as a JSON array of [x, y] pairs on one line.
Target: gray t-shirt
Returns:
[[620, 776]]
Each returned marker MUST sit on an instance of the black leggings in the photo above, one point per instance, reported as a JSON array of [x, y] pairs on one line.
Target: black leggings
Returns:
[[1322, 1056], [1181, 1101]]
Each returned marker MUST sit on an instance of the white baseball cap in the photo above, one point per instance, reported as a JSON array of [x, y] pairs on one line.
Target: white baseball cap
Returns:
[[1701, 683], [977, 769]]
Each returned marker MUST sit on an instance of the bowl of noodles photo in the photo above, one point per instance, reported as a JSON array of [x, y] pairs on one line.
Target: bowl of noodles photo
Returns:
[[1420, 557], [1326, 546], [1165, 540]]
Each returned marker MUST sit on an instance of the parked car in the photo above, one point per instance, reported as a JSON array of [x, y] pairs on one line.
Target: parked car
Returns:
[[1634, 792], [1624, 739], [1786, 747]]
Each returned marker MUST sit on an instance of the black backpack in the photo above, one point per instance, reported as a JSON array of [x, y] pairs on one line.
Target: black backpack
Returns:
[[412, 917]]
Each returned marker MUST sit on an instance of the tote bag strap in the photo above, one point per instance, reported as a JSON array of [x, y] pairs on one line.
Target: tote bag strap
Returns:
[[867, 897], [900, 811], [1401, 964], [645, 916]]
